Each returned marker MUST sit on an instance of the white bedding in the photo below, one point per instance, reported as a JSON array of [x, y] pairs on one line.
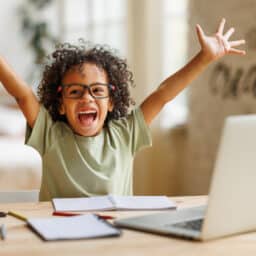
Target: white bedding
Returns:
[[20, 165]]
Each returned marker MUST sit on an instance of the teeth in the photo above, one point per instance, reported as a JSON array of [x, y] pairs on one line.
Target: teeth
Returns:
[[88, 112]]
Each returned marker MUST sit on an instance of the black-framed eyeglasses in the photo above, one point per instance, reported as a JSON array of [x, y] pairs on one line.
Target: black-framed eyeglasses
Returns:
[[76, 90]]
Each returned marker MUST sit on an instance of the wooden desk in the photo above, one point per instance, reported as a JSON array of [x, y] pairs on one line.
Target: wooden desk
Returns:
[[21, 241]]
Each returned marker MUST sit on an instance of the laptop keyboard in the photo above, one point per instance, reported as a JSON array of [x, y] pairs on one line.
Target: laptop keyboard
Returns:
[[192, 224]]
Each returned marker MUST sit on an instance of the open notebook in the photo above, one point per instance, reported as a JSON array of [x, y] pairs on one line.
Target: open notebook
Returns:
[[112, 202], [67, 228]]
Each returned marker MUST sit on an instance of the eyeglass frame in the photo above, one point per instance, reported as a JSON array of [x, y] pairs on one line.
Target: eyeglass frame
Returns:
[[88, 87]]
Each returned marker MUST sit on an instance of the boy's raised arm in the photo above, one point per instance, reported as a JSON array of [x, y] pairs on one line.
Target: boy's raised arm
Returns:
[[23, 94], [212, 48]]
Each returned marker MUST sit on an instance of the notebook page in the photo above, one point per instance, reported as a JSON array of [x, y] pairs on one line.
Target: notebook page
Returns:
[[142, 202], [78, 227], [82, 203]]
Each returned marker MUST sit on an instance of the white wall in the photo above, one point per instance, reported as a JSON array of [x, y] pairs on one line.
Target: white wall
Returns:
[[207, 110]]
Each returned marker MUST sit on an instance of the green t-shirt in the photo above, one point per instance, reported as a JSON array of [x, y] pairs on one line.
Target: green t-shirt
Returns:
[[76, 166]]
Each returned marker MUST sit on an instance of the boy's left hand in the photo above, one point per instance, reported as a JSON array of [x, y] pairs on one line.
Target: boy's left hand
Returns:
[[218, 45]]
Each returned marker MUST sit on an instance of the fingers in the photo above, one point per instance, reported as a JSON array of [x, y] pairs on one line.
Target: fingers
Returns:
[[236, 51], [200, 33], [229, 33], [236, 43], [221, 26]]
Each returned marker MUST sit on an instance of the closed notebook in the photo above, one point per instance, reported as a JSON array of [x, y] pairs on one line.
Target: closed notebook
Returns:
[[111, 202], [69, 228]]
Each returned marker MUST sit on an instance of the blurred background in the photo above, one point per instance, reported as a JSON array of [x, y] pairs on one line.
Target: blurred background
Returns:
[[157, 37]]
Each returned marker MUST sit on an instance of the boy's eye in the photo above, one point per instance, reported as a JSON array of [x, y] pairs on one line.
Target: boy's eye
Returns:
[[99, 90], [74, 92]]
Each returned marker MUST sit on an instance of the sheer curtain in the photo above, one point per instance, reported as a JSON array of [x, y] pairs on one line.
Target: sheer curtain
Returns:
[[156, 49], [175, 15], [98, 21], [157, 43]]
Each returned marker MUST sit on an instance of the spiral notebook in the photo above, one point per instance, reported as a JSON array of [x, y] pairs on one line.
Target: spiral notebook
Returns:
[[113, 202], [70, 228]]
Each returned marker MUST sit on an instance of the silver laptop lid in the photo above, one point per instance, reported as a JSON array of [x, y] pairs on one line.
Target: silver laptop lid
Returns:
[[231, 206]]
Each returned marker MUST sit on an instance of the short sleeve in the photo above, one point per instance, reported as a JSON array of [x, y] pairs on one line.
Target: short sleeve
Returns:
[[132, 131], [141, 135], [38, 137]]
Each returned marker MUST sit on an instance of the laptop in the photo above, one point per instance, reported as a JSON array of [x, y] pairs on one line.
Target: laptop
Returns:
[[231, 207]]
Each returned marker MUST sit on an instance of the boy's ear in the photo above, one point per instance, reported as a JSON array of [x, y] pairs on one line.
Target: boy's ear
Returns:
[[61, 106], [111, 105], [62, 109]]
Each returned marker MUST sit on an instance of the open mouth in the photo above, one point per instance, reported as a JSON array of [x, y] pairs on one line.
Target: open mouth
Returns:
[[86, 118]]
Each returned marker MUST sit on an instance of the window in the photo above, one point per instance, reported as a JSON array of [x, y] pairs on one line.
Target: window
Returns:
[[98, 21], [174, 56]]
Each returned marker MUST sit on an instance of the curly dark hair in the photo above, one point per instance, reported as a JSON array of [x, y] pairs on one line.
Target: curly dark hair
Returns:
[[67, 56]]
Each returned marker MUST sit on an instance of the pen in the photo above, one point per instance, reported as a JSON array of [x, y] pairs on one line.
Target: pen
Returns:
[[17, 215], [68, 214], [3, 231], [105, 217], [65, 214]]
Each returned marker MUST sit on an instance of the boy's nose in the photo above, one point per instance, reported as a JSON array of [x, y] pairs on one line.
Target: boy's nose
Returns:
[[87, 95]]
